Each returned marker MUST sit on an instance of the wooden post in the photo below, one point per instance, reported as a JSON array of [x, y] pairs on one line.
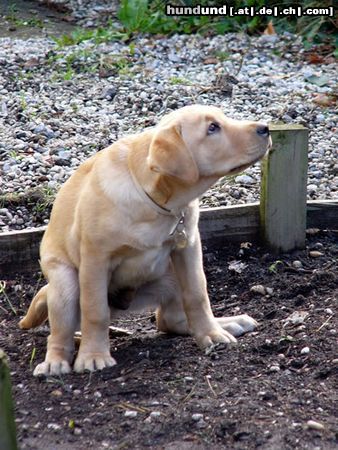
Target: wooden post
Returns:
[[7, 424], [283, 188]]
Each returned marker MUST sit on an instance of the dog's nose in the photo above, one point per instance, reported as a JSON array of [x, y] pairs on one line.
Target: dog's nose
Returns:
[[263, 130]]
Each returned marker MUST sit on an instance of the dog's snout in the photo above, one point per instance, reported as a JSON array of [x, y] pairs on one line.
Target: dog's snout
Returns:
[[263, 130]]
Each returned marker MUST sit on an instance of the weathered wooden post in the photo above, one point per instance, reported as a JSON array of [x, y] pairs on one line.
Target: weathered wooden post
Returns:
[[283, 189], [7, 424]]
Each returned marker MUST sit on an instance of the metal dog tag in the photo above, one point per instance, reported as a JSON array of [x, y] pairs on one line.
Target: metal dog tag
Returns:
[[181, 239], [179, 234]]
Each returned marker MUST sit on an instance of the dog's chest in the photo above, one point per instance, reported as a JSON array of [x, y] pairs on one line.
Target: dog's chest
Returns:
[[141, 267]]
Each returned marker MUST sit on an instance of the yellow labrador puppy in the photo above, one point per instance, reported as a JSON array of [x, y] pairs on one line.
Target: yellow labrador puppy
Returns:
[[123, 234]]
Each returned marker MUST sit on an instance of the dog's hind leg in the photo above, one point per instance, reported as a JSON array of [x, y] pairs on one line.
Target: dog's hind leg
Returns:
[[37, 312], [63, 314], [171, 317]]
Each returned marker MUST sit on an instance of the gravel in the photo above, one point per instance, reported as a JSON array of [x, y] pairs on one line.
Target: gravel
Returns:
[[58, 106]]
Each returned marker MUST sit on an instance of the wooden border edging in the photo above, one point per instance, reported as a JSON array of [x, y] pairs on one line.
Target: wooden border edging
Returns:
[[233, 223], [19, 250], [7, 423]]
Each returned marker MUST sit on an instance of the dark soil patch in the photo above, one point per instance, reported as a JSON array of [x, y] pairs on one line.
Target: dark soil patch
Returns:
[[258, 394], [24, 19]]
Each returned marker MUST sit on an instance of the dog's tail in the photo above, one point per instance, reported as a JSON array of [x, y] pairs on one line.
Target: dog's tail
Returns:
[[37, 312]]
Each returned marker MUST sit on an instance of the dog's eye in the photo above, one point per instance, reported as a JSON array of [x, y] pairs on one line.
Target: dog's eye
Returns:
[[213, 128]]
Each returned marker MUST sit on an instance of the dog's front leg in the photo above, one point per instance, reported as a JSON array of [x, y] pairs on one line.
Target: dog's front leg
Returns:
[[94, 351], [202, 324]]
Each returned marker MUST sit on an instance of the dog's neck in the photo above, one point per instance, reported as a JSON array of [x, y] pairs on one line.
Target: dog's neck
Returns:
[[164, 191]]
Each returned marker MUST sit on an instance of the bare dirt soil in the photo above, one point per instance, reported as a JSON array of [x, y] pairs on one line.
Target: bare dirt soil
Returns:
[[25, 19], [165, 393]]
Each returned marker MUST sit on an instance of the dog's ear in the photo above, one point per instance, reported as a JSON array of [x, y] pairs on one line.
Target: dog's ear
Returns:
[[169, 155]]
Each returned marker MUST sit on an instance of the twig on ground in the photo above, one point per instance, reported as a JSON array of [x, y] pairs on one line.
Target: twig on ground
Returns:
[[211, 388], [324, 323]]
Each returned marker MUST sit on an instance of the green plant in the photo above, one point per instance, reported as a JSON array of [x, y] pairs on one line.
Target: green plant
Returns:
[[222, 55], [313, 29], [23, 101], [148, 16], [98, 35], [120, 63], [69, 74], [31, 361], [15, 155], [179, 80], [134, 15], [30, 22], [273, 268], [42, 199]]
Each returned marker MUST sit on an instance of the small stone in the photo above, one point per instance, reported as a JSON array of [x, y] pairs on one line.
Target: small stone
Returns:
[[188, 379], [201, 424], [64, 154], [269, 290], [196, 417], [109, 93], [329, 311], [54, 426], [315, 254], [245, 179], [155, 414], [237, 266], [130, 414], [317, 246], [297, 264], [31, 62], [44, 130], [77, 431], [297, 317], [305, 351], [274, 368], [313, 425], [97, 394], [76, 392], [312, 231], [258, 289], [56, 393]]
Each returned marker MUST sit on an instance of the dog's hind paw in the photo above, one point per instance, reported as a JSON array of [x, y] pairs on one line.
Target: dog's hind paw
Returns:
[[52, 368], [237, 325], [93, 361], [214, 335]]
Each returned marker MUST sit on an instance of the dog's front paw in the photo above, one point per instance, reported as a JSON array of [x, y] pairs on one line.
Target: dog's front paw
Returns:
[[214, 335], [93, 361], [49, 368], [237, 325]]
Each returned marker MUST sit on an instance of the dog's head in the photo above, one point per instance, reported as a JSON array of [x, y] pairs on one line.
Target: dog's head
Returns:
[[200, 141]]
